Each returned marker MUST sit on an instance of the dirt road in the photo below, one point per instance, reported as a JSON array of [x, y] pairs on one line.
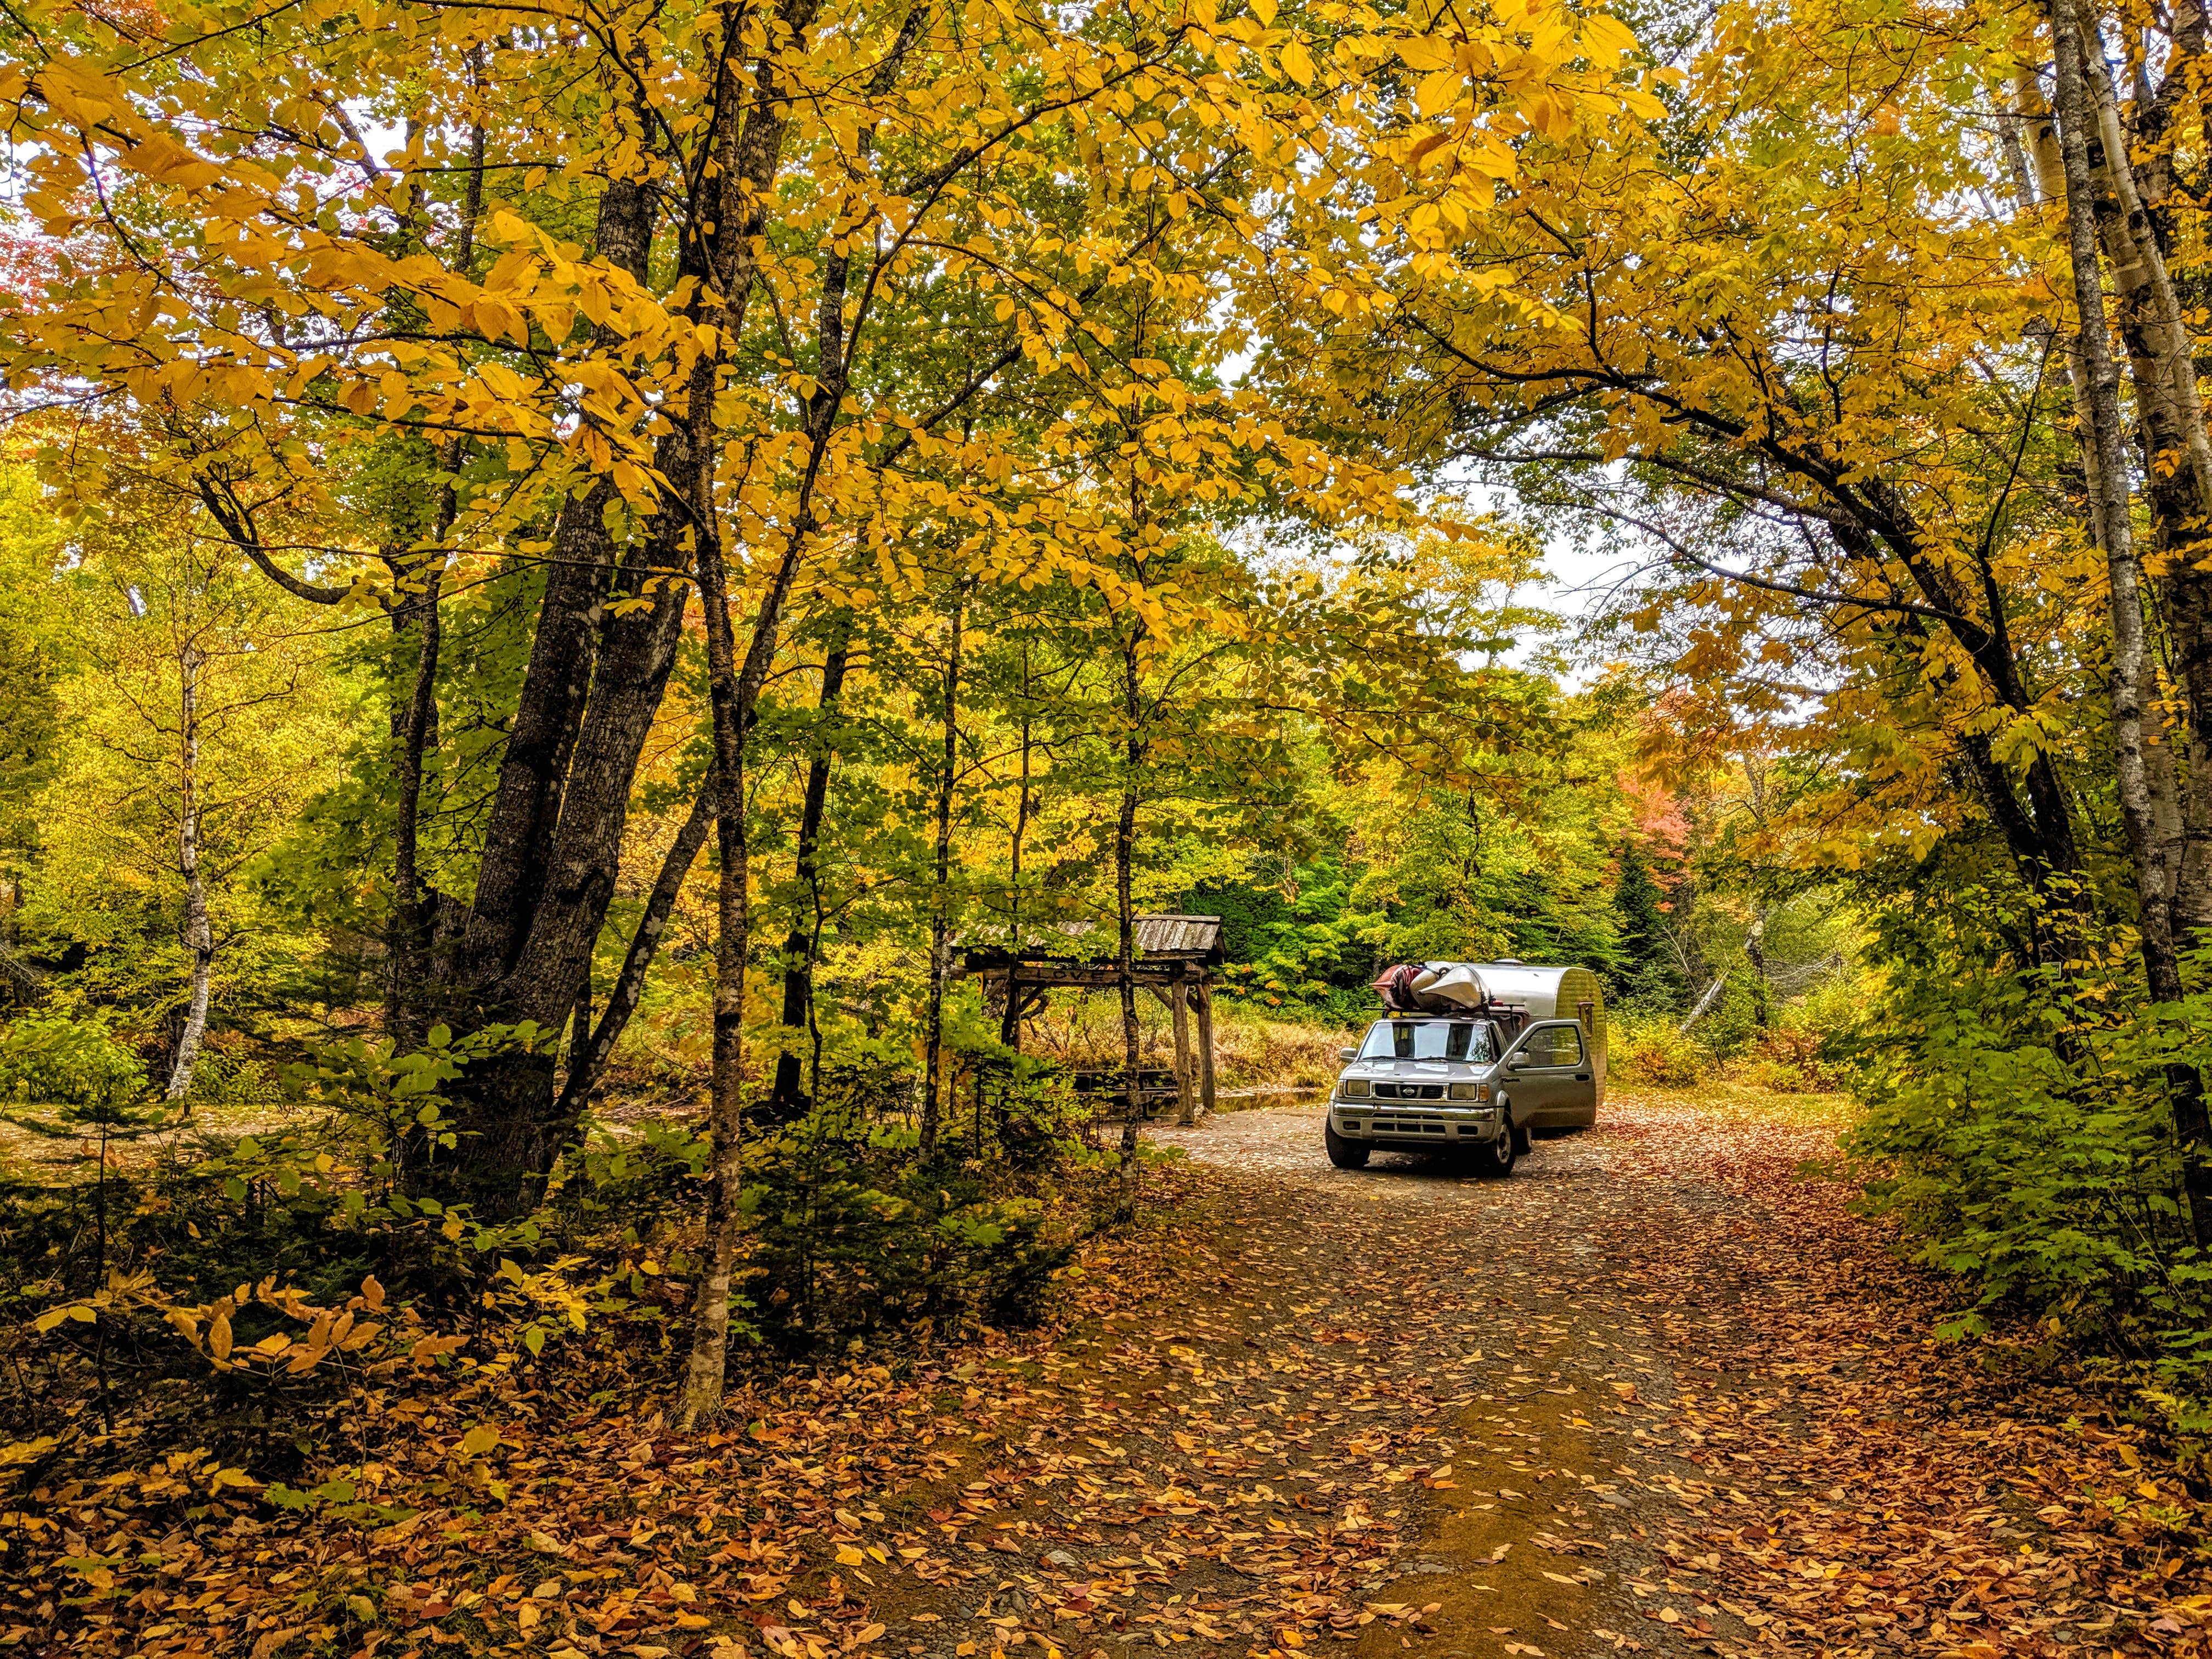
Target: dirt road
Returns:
[[1656, 1393]]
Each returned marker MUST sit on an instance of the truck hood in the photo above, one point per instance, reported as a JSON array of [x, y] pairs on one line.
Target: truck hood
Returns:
[[1433, 1071]]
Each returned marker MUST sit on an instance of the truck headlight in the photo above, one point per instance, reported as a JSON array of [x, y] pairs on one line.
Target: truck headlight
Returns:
[[1351, 1088], [1470, 1091]]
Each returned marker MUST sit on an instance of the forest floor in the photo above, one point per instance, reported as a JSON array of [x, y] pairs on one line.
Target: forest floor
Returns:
[[1658, 1393]]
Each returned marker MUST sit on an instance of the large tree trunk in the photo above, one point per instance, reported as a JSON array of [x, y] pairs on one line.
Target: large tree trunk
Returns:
[[538, 915], [199, 936], [572, 627], [2177, 474]]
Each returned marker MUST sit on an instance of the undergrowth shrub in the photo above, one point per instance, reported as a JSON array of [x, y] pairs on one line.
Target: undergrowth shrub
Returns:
[[2018, 1130], [55, 1059], [237, 1290], [246, 1293], [853, 1233], [1786, 1060], [1647, 1051]]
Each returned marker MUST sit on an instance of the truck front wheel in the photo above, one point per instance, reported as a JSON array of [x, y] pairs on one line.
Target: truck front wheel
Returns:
[[1498, 1155], [1344, 1154]]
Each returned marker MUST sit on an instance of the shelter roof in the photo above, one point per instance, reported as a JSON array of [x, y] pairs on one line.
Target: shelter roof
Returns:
[[1162, 941]]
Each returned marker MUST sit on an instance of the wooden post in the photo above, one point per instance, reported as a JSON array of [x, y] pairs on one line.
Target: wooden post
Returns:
[[1205, 1000], [1179, 1003]]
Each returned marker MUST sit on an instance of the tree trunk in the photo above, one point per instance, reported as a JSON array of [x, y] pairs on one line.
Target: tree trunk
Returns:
[[1010, 1022], [1125, 956], [1704, 1003], [644, 944], [786, 1100], [940, 919], [734, 689], [1205, 1096], [1754, 950], [2104, 445], [2177, 477], [704, 1378], [573, 627], [408, 969], [537, 920], [199, 937], [2106, 434]]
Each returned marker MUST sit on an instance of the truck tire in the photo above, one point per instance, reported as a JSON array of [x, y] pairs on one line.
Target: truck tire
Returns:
[[1496, 1157], [1344, 1154]]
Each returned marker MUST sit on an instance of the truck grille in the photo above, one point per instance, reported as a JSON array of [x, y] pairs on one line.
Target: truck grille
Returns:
[[1409, 1091], [1419, 1124]]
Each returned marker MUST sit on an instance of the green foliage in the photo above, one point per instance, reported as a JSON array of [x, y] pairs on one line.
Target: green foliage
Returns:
[[50, 1058], [1648, 971], [852, 1232], [2019, 1127]]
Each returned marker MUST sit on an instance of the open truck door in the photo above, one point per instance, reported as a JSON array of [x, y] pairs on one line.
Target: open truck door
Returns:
[[1550, 1076]]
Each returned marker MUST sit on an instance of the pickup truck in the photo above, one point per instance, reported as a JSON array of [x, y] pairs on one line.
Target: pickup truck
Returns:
[[1475, 1083]]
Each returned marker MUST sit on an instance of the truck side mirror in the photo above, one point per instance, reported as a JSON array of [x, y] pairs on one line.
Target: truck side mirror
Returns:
[[1347, 1055]]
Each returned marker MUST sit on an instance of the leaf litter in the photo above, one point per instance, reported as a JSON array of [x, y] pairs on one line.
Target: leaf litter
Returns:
[[1657, 1394]]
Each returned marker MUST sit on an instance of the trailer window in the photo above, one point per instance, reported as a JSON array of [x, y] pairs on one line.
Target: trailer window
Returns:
[[1427, 1039]]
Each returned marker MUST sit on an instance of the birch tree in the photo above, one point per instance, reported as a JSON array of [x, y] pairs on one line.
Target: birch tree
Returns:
[[196, 717]]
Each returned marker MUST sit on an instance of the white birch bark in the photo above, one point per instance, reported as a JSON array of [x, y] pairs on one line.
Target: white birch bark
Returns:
[[199, 937]]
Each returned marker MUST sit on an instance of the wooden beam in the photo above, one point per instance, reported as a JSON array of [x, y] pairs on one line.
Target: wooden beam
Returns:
[[1178, 1004], [1208, 1062], [1093, 979]]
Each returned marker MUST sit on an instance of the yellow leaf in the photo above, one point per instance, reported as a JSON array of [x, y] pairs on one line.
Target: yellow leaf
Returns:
[[1609, 37], [849, 1557], [1426, 52], [1438, 93], [1297, 63]]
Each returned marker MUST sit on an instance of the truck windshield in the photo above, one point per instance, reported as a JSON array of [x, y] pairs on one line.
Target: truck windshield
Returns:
[[1426, 1039]]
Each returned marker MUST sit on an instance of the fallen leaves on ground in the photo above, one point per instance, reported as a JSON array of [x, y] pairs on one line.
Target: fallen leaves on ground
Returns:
[[1656, 1394]]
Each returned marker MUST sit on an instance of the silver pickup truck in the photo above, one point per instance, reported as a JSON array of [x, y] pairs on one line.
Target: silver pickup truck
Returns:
[[1478, 1082]]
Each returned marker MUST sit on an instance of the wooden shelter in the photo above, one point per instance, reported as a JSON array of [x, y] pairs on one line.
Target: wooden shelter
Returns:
[[1175, 959]]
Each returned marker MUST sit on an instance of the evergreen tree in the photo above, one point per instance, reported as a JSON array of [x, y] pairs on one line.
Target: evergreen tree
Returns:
[[1648, 974]]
